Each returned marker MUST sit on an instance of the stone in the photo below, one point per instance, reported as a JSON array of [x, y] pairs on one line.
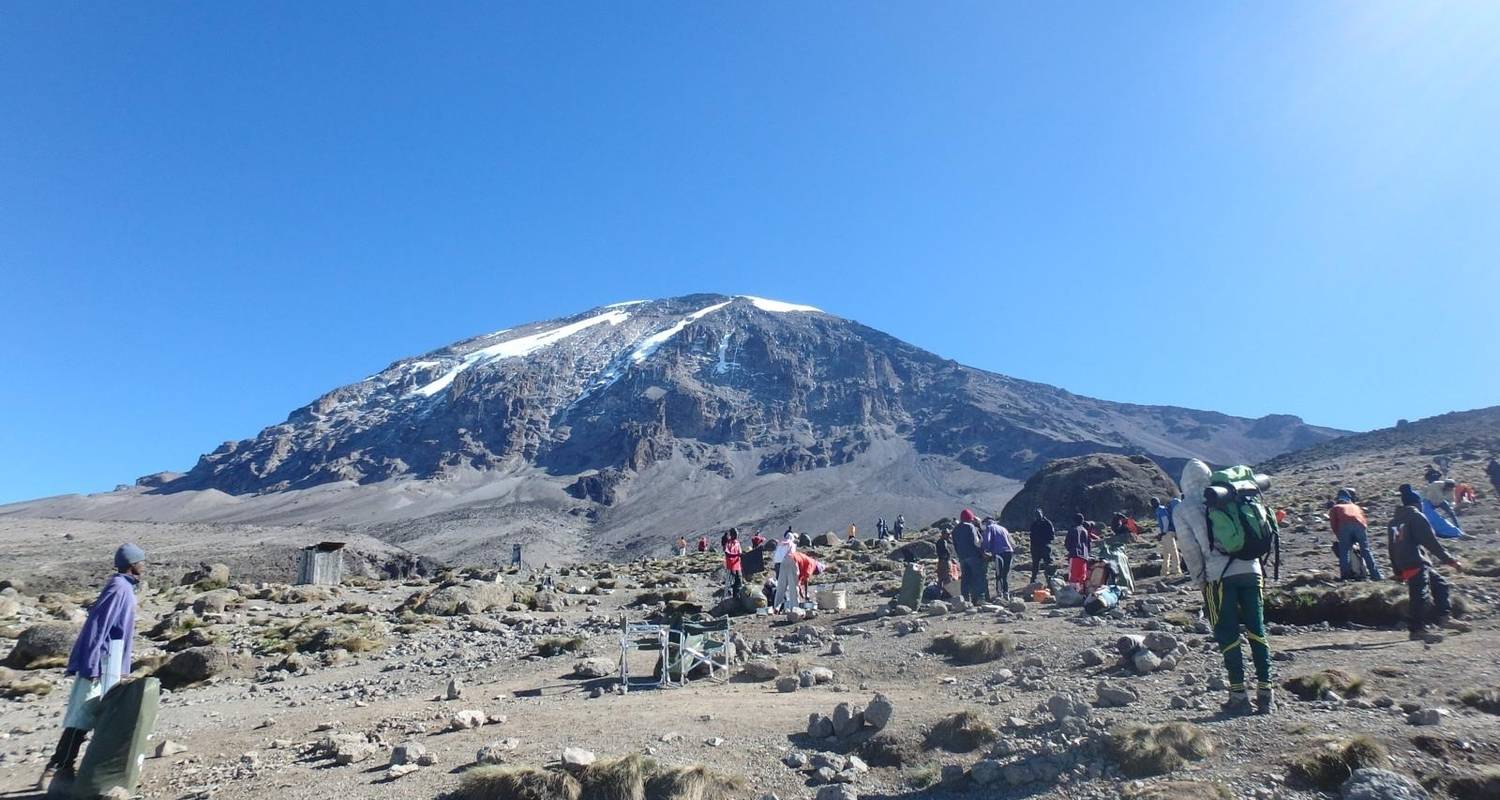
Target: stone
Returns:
[[1381, 784], [937, 608], [351, 752], [495, 752], [1097, 485], [455, 689], [840, 791], [847, 719], [715, 741], [1145, 662], [168, 748], [821, 676], [407, 753], [1115, 695], [1092, 657], [576, 758], [466, 720], [1160, 643], [787, 684], [398, 770], [1062, 706], [1428, 716], [196, 665], [760, 670], [819, 726], [1129, 643], [795, 759], [879, 712], [986, 772], [210, 575], [833, 761], [214, 602], [594, 668]]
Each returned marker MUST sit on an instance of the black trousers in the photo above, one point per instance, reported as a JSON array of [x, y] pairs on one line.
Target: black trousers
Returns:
[[1427, 579], [1041, 559]]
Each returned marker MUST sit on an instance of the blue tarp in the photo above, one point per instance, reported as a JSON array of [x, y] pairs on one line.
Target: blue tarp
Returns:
[[1440, 524]]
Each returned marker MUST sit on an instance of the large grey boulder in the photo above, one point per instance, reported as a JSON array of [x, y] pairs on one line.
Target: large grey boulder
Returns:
[[42, 645], [1381, 784]]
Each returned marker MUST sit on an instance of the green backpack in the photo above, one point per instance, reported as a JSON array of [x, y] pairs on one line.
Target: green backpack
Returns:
[[1239, 524]]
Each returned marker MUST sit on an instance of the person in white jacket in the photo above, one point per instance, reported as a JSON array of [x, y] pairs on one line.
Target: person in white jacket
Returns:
[[786, 572], [1232, 594]]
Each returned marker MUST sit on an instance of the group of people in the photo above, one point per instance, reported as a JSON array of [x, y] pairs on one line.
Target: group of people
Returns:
[[791, 569], [884, 531]]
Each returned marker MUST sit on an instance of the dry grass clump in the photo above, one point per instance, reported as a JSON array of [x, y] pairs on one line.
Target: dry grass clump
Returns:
[[15, 684], [557, 645], [1481, 785], [1177, 790], [1313, 686], [889, 750], [963, 732], [493, 782], [317, 635], [1335, 761], [651, 598], [631, 777], [1146, 750], [975, 648], [1486, 700]]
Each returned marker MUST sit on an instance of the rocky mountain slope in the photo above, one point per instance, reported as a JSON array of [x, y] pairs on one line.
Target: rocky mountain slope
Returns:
[[645, 417]]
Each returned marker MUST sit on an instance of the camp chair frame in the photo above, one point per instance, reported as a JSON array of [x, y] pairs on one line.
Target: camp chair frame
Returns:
[[642, 637], [713, 649]]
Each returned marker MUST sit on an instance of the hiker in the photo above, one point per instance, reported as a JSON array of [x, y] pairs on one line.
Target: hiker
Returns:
[[1124, 528], [1232, 593], [1408, 535], [881, 531], [732, 561], [901, 521], [853, 532], [1166, 536], [1463, 494], [998, 544], [806, 567], [1347, 520], [968, 545], [1432, 475], [944, 561], [757, 540], [1077, 543], [786, 572], [1440, 494], [703, 544], [100, 657], [1042, 534], [1492, 471], [682, 545]]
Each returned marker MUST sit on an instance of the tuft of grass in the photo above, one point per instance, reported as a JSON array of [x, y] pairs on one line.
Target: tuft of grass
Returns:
[[493, 782], [14, 684], [976, 648], [557, 645], [621, 778], [1146, 750], [1177, 790], [888, 750], [1481, 785], [924, 776], [1486, 700], [963, 732], [1328, 767], [1312, 686]]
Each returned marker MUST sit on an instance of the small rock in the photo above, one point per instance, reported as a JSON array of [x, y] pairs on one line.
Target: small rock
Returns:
[[1115, 695], [1091, 657], [1381, 784], [1144, 661], [169, 748], [879, 712], [495, 752], [787, 684], [407, 753], [576, 758], [455, 689]]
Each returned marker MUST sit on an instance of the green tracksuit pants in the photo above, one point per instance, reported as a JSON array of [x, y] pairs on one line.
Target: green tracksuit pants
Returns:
[[1232, 603]]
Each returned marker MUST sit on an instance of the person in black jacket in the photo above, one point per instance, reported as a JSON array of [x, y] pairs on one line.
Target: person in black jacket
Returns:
[[1042, 534], [969, 548], [1409, 534]]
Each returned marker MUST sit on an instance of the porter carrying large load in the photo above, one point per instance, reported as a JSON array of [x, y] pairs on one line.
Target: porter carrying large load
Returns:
[[1239, 524]]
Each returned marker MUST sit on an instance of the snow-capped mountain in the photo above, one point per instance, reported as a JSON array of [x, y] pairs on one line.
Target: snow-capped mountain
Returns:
[[640, 418]]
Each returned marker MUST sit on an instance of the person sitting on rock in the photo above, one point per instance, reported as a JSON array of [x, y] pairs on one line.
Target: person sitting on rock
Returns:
[[1232, 594], [1347, 520], [1166, 538], [100, 656], [1042, 536], [1409, 535]]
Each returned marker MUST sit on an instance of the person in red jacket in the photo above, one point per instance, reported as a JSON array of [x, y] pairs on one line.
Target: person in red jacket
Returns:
[[1349, 525], [703, 544], [756, 540], [807, 566]]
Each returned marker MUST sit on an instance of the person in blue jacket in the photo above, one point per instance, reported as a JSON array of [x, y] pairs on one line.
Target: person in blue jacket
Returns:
[[1166, 536]]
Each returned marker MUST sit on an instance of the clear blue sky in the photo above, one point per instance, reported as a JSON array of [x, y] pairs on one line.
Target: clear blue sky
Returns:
[[210, 213]]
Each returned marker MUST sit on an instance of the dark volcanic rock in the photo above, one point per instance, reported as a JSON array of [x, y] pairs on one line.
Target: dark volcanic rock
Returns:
[[1097, 485]]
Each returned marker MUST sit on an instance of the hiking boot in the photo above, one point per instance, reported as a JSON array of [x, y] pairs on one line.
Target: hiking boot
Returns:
[[1265, 701], [1425, 637], [1454, 625], [1238, 705]]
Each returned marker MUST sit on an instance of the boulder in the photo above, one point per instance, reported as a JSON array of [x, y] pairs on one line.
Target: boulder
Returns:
[[496, 752], [1381, 784], [847, 719], [575, 759], [455, 689], [466, 720], [1160, 642], [789, 683], [407, 753], [826, 540], [209, 576], [1063, 706], [1144, 661], [196, 665], [214, 602], [879, 712], [819, 726], [1115, 695], [454, 599], [1092, 657], [837, 791], [591, 668], [44, 644], [986, 772], [1097, 485], [760, 670], [918, 550], [1129, 643]]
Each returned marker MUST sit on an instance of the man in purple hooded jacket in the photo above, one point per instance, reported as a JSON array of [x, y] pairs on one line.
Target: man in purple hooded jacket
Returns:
[[99, 658]]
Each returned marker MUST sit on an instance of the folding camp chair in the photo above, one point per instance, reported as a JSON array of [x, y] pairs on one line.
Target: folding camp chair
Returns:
[[643, 637], [696, 644]]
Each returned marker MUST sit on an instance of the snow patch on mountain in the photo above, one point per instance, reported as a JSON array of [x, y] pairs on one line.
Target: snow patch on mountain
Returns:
[[518, 347], [654, 342], [777, 306]]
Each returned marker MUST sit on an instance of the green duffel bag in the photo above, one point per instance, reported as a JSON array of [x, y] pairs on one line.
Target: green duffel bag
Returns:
[[117, 750]]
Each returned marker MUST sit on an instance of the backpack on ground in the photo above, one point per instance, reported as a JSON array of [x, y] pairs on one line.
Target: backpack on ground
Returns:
[[1239, 524]]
